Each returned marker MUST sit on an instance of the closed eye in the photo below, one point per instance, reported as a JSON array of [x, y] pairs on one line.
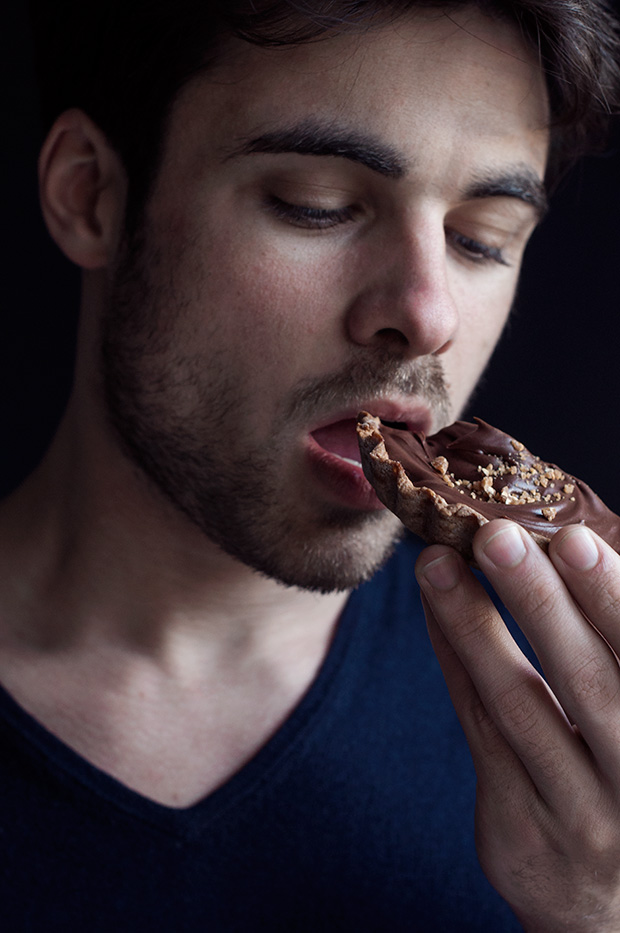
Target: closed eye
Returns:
[[475, 251], [310, 218]]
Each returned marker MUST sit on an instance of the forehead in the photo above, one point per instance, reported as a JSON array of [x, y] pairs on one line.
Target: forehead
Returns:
[[452, 82]]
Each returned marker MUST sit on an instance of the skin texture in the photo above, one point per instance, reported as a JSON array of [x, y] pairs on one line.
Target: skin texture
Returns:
[[266, 295], [547, 754], [374, 297]]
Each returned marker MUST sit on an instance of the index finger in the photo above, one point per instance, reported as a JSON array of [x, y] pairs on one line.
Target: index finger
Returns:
[[578, 663], [512, 692]]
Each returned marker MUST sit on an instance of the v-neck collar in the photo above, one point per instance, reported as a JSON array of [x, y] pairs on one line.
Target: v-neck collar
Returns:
[[268, 764]]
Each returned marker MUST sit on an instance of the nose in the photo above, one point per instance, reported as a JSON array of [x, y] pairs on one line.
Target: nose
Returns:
[[403, 299]]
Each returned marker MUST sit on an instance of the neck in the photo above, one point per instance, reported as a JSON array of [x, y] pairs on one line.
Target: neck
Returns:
[[134, 639], [93, 553]]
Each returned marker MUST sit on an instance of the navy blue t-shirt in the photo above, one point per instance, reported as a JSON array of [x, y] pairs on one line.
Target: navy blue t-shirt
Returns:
[[356, 816]]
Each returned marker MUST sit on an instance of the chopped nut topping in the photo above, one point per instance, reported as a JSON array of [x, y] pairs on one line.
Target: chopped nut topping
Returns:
[[530, 482], [507, 497], [487, 487], [440, 464]]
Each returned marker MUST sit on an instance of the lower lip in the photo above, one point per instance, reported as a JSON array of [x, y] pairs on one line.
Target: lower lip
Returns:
[[344, 481]]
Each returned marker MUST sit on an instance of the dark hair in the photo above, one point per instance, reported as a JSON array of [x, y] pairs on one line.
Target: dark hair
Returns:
[[124, 61]]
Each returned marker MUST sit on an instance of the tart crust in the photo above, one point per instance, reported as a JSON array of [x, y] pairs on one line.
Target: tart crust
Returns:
[[422, 510]]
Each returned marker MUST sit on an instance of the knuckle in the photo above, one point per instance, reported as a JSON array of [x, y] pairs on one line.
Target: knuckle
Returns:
[[596, 683], [594, 834], [540, 599], [484, 723], [519, 706], [471, 623], [608, 603], [518, 715]]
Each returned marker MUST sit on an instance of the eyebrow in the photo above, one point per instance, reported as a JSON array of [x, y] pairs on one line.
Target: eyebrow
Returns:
[[519, 182], [314, 139]]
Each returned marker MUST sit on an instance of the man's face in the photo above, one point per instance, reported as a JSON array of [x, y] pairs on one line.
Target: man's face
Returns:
[[334, 227]]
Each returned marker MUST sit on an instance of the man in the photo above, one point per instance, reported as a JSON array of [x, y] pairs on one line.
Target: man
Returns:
[[221, 710]]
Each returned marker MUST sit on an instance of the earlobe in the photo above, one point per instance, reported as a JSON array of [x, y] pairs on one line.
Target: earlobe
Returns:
[[82, 184]]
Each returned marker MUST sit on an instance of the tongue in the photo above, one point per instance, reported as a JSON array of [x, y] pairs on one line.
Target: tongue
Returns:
[[339, 438]]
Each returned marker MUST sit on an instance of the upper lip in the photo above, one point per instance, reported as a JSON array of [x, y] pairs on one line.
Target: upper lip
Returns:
[[416, 415]]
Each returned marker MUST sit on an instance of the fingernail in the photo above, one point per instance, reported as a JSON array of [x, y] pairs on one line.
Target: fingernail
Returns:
[[506, 547], [578, 549], [443, 572]]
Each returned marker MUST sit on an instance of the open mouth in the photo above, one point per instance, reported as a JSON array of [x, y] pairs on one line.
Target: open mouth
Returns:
[[336, 463], [340, 440], [399, 425]]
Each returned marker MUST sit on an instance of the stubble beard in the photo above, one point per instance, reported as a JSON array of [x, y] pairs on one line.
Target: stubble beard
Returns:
[[239, 493]]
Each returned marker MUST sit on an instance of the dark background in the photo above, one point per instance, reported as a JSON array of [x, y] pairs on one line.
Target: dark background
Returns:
[[554, 381]]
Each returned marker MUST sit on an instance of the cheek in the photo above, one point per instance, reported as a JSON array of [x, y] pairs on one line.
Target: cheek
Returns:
[[479, 331], [280, 303], [261, 288]]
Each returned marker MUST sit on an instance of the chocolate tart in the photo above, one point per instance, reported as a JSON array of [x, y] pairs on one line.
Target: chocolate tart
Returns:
[[446, 486]]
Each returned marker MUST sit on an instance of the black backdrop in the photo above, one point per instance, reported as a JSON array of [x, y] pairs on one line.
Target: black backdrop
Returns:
[[554, 381]]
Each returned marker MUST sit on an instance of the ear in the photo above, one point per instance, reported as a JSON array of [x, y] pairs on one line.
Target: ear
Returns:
[[83, 189]]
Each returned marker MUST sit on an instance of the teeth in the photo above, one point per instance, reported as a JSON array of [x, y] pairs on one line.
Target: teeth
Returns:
[[356, 463]]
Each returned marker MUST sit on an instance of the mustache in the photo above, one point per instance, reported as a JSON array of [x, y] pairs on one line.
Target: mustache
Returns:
[[424, 377]]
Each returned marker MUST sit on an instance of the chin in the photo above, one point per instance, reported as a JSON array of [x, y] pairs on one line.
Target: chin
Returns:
[[338, 559]]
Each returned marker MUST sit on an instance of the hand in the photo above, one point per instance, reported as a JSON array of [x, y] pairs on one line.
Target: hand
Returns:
[[546, 751]]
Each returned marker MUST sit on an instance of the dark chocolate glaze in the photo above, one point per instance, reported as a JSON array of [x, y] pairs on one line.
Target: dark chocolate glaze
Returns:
[[471, 449]]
